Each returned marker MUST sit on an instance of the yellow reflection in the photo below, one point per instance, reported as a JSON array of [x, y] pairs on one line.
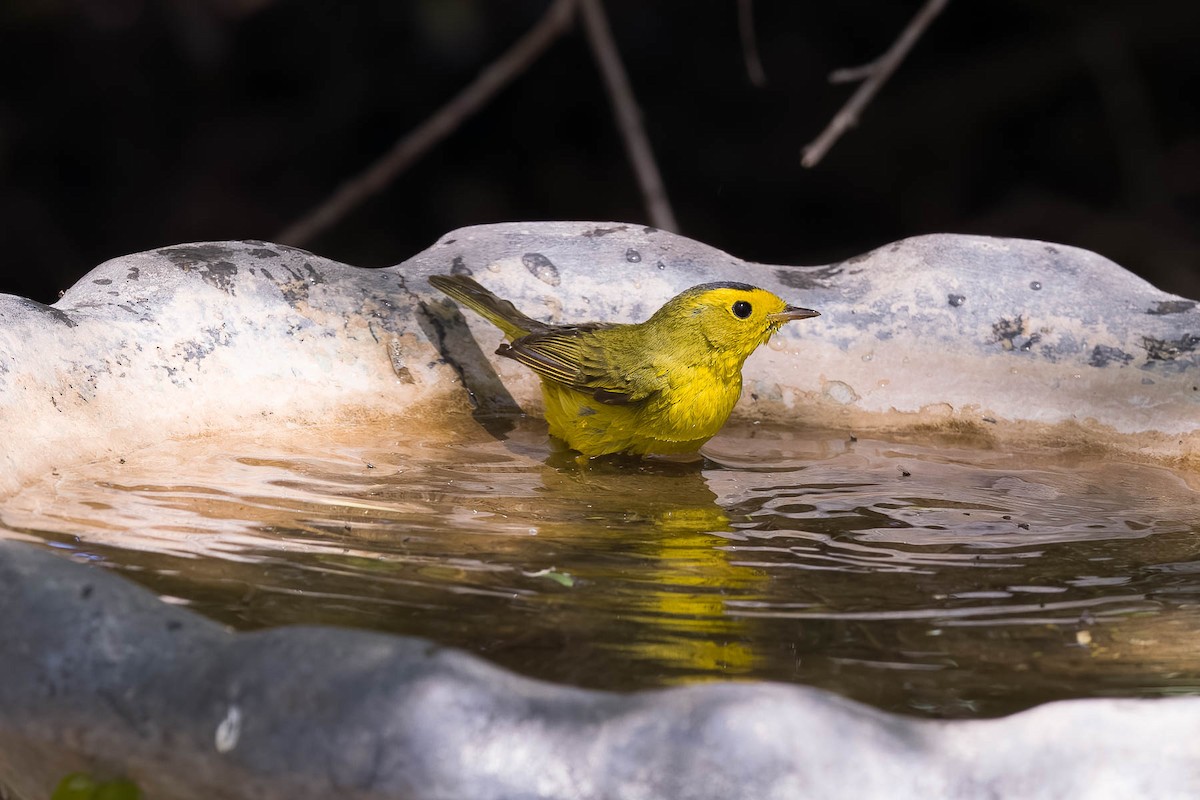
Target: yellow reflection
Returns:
[[678, 610]]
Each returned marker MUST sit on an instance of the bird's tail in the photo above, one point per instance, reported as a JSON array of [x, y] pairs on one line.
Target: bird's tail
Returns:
[[501, 313]]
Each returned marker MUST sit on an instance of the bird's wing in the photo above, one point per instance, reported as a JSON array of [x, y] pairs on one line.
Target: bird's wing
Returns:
[[572, 356], [500, 312]]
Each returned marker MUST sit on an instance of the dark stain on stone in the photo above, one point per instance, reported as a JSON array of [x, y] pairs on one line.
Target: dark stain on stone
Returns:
[[1053, 353], [1035, 286], [857, 259], [1103, 355], [219, 274], [1163, 307], [1006, 330], [1030, 342], [133, 274], [596, 233], [312, 274], [103, 281], [195, 350], [303, 279], [1052, 250], [459, 267], [199, 348], [264, 252], [541, 268], [396, 357], [195, 254], [633, 256], [956, 300], [1163, 350], [649, 230], [808, 277], [59, 316], [207, 260], [450, 241]]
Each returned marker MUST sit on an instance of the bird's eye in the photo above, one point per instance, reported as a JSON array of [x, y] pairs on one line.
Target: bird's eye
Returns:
[[741, 309]]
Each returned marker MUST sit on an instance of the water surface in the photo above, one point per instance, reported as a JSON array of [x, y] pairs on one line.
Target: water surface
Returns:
[[934, 577]]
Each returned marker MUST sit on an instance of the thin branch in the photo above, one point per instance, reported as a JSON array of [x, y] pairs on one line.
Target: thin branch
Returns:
[[754, 67], [853, 74], [444, 121], [629, 122], [875, 74]]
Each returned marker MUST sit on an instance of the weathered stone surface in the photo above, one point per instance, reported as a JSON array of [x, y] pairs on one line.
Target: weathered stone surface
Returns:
[[197, 338], [99, 675], [1007, 338], [1011, 339]]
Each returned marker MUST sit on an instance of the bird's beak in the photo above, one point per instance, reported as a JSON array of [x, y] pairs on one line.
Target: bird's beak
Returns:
[[790, 313]]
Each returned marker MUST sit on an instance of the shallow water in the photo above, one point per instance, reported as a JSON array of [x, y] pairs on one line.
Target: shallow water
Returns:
[[934, 577]]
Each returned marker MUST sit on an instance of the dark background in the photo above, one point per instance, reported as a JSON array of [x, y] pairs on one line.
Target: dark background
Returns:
[[130, 124]]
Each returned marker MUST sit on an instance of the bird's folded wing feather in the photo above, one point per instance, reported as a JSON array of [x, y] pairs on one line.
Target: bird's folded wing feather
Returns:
[[569, 356]]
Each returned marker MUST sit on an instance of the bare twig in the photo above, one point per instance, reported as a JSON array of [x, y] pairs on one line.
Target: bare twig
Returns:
[[853, 74], [754, 67], [875, 74], [444, 121], [629, 122]]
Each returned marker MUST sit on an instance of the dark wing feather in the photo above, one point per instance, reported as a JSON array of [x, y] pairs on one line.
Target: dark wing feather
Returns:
[[575, 356], [554, 355]]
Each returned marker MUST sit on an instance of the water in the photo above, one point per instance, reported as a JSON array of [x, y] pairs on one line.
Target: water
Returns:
[[932, 577]]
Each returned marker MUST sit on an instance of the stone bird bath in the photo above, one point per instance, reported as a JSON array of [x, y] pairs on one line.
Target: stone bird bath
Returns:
[[1019, 343]]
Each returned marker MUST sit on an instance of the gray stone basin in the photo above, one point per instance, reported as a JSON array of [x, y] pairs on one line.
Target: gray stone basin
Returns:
[[1014, 342]]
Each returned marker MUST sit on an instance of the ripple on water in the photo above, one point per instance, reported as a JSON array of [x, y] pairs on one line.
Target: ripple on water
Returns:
[[926, 576]]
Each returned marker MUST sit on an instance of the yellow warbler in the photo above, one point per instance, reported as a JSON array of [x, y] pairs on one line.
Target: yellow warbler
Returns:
[[665, 385]]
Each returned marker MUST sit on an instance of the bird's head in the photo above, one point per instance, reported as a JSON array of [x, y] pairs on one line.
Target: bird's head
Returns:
[[732, 318]]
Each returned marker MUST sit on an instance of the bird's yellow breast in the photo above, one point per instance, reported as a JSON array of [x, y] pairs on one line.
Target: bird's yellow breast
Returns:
[[687, 413]]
